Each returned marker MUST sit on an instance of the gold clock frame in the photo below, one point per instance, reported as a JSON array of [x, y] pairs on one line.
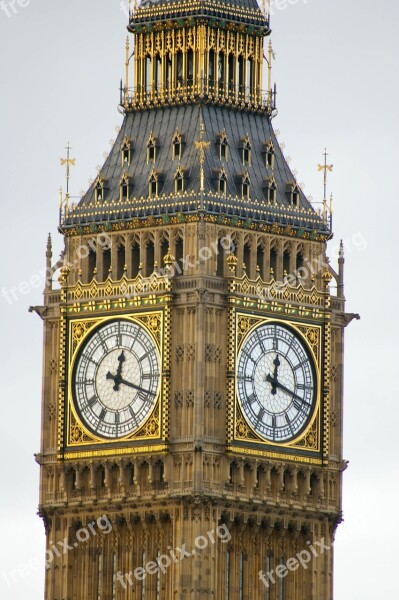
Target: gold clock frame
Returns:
[[75, 436], [311, 445]]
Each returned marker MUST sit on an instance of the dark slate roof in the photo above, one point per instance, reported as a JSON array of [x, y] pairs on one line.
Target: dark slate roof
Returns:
[[163, 123]]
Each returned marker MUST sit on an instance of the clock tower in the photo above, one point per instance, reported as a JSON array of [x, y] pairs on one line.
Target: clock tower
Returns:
[[193, 351]]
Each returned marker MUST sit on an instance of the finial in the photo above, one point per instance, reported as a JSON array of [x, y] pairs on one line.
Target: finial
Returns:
[[49, 247], [325, 167], [341, 254], [202, 146], [269, 70], [127, 47], [68, 162]]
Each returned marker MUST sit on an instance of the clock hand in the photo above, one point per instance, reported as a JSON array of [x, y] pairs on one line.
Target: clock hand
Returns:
[[121, 360], [285, 389], [119, 380], [276, 363], [273, 380], [136, 387]]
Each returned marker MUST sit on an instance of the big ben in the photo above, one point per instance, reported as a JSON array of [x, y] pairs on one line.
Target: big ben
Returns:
[[193, 350]]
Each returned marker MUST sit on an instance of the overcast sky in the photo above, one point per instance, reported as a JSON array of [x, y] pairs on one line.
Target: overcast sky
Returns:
[[336, 71]]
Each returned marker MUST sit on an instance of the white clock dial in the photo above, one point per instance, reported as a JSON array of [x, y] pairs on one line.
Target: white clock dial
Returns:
[[116, 379], [275, 382]]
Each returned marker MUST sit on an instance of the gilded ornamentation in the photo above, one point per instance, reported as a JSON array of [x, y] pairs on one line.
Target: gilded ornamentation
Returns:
[[79, 330]]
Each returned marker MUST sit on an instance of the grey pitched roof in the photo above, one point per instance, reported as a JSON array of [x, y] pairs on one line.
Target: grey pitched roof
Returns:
[[162, 124]]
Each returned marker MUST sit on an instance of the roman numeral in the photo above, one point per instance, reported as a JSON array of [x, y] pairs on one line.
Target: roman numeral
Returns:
[[92, 401], [251, 398], [102, 414]]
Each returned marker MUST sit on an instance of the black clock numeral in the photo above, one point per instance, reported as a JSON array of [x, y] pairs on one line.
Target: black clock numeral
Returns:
[[92, 401], [103, 414], [251, 398]]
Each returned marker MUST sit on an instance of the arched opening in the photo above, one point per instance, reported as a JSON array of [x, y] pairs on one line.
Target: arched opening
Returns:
[[286, 262], [212, 81], [220, 260], [299, 264], [190, 67], [240, 76], [168, 71], [164, 250], [273, 262], [230, 75], [91, 265], [120, 262], [247, 258], [150, 259], [157, 74], [260, 257], [135, 257], [221, 71], [179, 69], [147, 74], [106, 264], [179, 256], [249, 78]]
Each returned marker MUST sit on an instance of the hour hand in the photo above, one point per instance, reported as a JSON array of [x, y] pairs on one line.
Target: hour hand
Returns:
[[273, 382], [121, 360], [116, 379]]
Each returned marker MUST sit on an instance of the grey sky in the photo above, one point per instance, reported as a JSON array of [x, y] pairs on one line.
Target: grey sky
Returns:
[[336, 73]]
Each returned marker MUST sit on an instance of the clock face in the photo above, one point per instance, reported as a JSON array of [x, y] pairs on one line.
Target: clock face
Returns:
[[275, 382], [116, 379]]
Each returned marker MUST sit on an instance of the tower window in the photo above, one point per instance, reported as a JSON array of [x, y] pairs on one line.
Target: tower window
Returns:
[[124, 189], [223, 146], [269, 155], [295, 196], [151, 149], [245, 188], [179, 181], [126, 152], [154, 182], [246, 151], [99, 192], [99, 189], [177, 146], [153, 191], [222, 185], [271, 190]]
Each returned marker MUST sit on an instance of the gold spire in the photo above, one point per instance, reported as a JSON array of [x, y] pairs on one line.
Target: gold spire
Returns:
[[68, 161], [325, 168], [202, 145]]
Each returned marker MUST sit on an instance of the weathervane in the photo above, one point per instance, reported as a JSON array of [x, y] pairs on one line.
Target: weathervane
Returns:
[[325, 168], [202, 146], [68, 162]]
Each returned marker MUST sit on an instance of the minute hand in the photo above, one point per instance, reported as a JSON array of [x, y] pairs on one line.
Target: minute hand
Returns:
[[136, 387], [285, 389]]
